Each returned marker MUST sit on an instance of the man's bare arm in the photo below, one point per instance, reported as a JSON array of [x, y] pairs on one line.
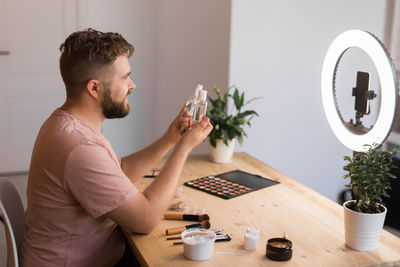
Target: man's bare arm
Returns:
[[143, 212], [137, 165]]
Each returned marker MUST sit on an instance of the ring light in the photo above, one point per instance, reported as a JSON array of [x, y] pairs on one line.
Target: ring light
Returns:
[[387, 77]]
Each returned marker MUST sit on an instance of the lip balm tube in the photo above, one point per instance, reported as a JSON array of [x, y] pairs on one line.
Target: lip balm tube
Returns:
[[250, 241]]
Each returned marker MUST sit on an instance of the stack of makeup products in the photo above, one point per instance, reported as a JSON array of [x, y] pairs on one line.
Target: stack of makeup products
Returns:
[[203, 222]]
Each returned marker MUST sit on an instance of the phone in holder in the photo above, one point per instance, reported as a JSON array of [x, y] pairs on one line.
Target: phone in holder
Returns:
[[362, 93]]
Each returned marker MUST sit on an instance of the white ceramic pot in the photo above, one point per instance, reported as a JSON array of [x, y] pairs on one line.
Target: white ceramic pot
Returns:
[[222, 153], [362, 230]]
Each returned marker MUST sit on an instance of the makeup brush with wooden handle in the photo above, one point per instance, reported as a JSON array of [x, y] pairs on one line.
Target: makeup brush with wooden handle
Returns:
[[180, 229], [219, 238], [186, 217]]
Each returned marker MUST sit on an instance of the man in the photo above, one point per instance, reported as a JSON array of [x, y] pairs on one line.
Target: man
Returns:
[[79, 191]]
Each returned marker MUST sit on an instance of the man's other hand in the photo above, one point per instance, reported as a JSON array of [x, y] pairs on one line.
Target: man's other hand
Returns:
[[178, 127], [196, 133]]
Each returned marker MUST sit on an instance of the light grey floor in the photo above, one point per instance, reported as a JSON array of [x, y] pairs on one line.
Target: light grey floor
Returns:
[[20, 181]]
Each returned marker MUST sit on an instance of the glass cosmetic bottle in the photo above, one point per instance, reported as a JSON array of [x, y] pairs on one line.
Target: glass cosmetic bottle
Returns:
[[191, 102], [201, 106]]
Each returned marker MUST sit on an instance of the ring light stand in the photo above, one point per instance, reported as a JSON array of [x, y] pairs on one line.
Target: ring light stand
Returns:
[[354, 135]]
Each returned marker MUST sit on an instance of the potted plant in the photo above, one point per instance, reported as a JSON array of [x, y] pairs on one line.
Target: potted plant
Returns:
[[369, 174], [227, 127]]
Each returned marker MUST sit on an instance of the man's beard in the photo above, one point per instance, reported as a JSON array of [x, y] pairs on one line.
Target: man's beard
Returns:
[[112, 109]]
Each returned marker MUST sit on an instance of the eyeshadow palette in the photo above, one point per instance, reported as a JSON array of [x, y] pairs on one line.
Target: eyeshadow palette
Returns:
[[230, 184]]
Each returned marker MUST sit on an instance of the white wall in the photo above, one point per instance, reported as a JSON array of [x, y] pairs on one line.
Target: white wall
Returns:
[[178, 43], [30, 83], [192, 46], [277, 51], [135, 20], [395, 40]]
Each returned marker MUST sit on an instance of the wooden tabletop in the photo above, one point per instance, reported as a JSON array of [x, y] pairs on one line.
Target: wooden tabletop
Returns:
[[314, 223]]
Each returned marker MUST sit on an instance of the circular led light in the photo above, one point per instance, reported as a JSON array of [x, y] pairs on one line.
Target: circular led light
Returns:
[[385, 68]]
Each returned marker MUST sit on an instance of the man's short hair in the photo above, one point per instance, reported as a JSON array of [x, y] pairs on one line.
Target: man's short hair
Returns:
[[85, 54]]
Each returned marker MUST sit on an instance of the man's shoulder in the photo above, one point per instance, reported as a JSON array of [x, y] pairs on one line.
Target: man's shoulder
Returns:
[[64, 127], [63, 136]]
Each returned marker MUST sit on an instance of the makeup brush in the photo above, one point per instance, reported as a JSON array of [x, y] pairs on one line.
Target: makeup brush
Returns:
[[217, 231], [186, 217], [178, 230], [219, 238], [179, 237]]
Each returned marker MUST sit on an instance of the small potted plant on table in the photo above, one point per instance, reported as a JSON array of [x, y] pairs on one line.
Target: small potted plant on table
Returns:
[[370, 175], [227, 127]]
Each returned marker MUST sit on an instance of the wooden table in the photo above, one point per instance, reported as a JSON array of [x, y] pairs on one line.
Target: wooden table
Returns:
[[314, 223]]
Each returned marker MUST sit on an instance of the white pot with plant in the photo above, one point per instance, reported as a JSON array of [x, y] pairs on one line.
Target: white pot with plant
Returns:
[[369, 174], [227, 126]]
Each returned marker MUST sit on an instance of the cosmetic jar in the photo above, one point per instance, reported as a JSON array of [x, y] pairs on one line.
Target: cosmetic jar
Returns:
[[251, 238], [250, 241], [198, 243], [279, 249], [255, 231]]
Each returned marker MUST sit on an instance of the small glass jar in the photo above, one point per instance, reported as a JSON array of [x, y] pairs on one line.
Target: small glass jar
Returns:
[[279, 249]]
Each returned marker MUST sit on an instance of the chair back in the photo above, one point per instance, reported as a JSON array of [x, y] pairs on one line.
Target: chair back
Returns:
[[12, 212]]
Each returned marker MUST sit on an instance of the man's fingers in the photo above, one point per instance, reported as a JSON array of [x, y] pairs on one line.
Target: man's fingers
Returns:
[[185, 125], [208, 127], [187, 114], [182, 111], [205, 121], [186, 118], [204, 125], [182, 129]]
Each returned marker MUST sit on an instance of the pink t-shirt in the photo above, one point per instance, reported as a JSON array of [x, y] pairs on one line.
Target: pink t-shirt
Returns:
[[75, 178]]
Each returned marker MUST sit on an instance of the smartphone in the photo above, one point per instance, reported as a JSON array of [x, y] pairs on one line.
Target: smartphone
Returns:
[[361, 92]]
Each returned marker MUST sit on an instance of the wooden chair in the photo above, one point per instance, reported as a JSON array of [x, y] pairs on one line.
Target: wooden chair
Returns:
[[12, 212]]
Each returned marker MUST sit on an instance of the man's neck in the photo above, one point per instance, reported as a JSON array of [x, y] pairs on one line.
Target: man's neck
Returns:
[[86, 112]]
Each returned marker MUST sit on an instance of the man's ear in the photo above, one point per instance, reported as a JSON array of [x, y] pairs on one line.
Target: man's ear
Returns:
[[93, 88]]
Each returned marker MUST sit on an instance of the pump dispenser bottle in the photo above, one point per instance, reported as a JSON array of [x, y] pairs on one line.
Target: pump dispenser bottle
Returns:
[[191, 102], [201, 106]]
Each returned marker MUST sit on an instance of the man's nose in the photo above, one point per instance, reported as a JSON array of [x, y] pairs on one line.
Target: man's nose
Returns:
[[132, 86]]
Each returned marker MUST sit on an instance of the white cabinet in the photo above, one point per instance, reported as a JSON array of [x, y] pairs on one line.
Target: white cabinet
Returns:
[[30, 84]]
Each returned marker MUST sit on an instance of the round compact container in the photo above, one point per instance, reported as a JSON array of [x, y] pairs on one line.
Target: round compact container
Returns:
[[279, 249], [198, 243]]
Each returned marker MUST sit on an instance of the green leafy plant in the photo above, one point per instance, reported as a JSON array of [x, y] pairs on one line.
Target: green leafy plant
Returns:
[[228, 126], [369, 174]]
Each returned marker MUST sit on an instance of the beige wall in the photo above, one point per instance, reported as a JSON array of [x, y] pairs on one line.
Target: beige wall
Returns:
[[277, 51], [178, 43], [192, 46]]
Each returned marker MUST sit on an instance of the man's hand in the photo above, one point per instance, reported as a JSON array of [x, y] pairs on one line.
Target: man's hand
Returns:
[[196, 133], [178, 127], [143, 212]]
